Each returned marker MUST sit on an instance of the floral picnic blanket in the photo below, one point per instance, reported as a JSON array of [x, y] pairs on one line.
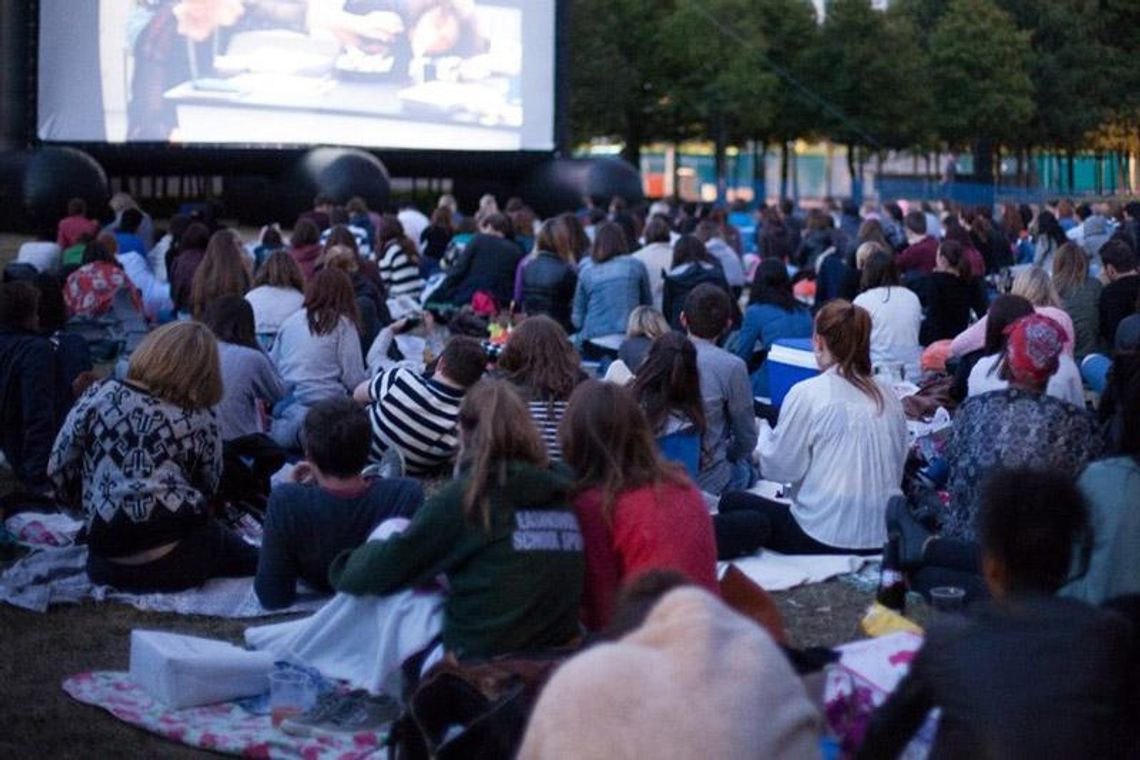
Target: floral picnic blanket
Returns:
[[226, 727]]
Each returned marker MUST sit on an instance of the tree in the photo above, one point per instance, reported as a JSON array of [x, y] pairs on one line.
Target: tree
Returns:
[[1072, 98], [717, 82], [874, 100], [792, 33], [923, 14], [980, 79], [615, 86]]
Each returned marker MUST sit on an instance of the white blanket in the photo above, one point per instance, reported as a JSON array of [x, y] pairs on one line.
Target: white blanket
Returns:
[[359, 639], [779, 572]]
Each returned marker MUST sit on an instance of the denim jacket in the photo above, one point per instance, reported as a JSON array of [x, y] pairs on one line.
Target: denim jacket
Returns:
[[606, 294]]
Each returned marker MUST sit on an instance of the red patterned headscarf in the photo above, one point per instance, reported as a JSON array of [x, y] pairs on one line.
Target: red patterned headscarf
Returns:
[[1033, 349]]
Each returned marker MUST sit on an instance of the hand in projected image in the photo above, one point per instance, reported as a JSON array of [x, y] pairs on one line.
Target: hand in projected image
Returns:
[[198, 19], [435, 32], [364, 31]]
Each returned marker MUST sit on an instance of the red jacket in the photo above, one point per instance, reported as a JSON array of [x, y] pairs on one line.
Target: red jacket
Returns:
[[71, 228], [662, 527]]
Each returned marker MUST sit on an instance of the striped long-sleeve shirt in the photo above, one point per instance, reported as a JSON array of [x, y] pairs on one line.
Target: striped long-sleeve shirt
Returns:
[[400, 274], [417, 415]]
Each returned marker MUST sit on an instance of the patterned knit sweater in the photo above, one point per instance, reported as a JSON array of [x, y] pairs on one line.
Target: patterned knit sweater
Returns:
[[143, 469]]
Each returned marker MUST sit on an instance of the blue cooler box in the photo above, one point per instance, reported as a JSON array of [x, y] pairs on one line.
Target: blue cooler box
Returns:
[[789, 361]]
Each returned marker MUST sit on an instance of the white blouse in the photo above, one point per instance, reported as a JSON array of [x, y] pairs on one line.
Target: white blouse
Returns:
[[842, 456], [1065, 383]]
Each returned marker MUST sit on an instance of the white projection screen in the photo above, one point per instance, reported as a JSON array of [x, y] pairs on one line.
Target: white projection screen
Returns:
[[472, 75]]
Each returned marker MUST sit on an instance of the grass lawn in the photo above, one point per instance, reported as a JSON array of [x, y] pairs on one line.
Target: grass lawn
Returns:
[[41, 650]]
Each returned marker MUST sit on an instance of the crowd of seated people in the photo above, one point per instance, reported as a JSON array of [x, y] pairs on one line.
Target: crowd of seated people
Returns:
[[446, 371]]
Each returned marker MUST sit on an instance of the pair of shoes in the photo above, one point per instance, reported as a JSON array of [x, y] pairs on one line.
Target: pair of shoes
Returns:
[[911, 533], [353, 712]]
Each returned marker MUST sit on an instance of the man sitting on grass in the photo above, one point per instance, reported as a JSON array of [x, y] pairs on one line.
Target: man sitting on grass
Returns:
[[330, 509]]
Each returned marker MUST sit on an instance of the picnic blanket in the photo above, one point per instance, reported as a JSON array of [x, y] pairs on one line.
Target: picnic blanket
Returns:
[[55, 573], [227, 727], [773, 571], [866, 674]]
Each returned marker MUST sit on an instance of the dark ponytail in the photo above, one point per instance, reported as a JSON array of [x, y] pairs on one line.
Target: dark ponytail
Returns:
[[668, 381], [955, 256]]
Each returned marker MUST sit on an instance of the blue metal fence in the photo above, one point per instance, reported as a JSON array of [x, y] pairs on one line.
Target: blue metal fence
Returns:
[[966, 193]]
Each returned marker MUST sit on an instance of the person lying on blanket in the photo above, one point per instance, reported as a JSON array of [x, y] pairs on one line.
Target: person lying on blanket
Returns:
[[330, 508]]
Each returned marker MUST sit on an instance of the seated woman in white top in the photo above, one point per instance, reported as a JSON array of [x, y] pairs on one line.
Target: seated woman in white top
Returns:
[[317, 353], [1034, 285], [989, 372], [278, 293], [841, 444], [896, 315]]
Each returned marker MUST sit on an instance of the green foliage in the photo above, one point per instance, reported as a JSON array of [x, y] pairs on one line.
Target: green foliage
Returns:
[[870, 67], [792, 33], [1019, 73], [614, 83], [980, 79], [1064, 40]]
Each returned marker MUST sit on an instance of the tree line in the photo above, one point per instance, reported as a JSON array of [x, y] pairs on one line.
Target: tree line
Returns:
[[995, 77]]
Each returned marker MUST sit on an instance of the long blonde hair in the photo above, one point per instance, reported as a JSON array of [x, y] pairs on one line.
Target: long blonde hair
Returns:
[[1034, 285], [495, 429], [646, 321], [1070, 268]]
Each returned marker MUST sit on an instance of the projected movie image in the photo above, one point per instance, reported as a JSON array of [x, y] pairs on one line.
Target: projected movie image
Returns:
[[417, 74]]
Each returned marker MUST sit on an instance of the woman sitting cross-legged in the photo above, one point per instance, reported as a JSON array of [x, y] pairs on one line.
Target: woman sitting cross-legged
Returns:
[[991, 371], [896, 315], [637, 512], [251, 384], [143, 457], [951, 294], [278, 293], [546, 280], [503, 533], [841, 443], [692, 266], [610, 286]]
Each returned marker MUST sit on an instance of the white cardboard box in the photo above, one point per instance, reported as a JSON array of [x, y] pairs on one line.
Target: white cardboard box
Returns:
[[187, 671]]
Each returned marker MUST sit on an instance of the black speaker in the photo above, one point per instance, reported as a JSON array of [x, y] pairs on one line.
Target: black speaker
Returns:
[[564, 184]]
